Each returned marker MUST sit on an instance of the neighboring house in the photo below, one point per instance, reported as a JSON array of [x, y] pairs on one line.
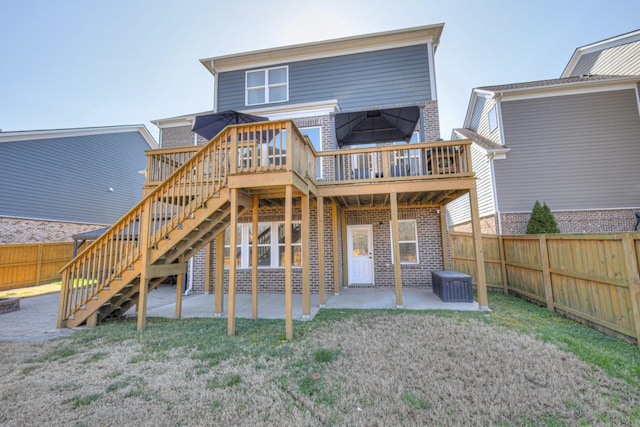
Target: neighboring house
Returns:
[[57, 183], [347, 178], [572, 142]]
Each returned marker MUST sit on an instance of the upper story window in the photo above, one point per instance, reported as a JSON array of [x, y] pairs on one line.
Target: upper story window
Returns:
[[267, 85], [493, 119]]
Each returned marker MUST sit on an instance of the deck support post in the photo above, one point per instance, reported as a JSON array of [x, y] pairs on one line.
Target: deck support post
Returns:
[[395, 230], [306, 293], [335, 233], [481, 278], [254, 256], [179, 280], [233, 238], [219, 279], [321, 277], [144, 237], [443, 235], [207, 268], [345, 258], [287, 261]]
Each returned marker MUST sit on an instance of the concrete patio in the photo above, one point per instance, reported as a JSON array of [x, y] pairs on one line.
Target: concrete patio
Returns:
[[36, 319], [271, 306]]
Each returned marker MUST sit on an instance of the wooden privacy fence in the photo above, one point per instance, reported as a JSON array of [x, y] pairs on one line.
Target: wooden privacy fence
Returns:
[[31, 264], [592, 278]]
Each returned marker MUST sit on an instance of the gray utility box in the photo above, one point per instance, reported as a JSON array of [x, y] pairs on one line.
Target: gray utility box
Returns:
[[452, 286]]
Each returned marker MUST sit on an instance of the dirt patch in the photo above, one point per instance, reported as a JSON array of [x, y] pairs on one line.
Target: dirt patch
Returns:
[[366, 370]]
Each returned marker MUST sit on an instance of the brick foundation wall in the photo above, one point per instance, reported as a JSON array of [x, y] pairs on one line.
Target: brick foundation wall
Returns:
[[488, 225], [18, 230], [429, 245], [271, 280], [596, 221]]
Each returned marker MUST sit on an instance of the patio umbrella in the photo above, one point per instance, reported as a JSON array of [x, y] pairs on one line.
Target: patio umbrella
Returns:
[[373, 126], [209, 125]]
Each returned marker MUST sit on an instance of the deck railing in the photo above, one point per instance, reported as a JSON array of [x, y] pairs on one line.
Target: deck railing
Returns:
[[190, 178], [264, 147], [396, 162]]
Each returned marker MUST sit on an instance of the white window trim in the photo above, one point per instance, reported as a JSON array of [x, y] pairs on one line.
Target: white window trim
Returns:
[[266, 86], [493, 110], [415, 227], [275, 247]]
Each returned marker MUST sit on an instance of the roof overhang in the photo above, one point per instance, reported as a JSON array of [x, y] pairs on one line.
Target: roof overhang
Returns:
[[280, 112], [601, 45], [559, 89], [30, 135], [328, 48]]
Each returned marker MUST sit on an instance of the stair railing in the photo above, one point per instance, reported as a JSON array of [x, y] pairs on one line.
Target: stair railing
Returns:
[[176, 199]]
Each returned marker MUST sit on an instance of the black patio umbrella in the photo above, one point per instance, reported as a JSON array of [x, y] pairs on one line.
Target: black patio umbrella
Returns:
[[209, 125], [373, 126]]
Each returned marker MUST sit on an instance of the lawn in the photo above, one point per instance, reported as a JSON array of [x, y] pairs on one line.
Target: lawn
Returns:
[[518, 365]]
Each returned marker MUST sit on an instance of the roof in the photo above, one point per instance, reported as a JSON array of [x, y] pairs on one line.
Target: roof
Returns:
[[480, 140], [555, 83], [601, 45], [30, 135], [326, 48]]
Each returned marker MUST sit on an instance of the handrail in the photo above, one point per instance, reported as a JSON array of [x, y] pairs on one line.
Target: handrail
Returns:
[[448, 159]]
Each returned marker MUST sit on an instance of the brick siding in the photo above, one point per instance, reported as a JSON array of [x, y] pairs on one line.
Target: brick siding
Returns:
[[20, 230], [596, 221], [178, 136], [431, 121], [271, 280]]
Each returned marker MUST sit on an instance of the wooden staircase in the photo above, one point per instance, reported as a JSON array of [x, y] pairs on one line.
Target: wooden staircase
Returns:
[[153, 240]]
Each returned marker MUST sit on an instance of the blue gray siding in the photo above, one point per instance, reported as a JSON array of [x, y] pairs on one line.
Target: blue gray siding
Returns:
[[573, 152], [384, 77], [68, 179], [618, 60]]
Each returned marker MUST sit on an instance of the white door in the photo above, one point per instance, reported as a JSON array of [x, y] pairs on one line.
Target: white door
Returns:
[[360, 254]]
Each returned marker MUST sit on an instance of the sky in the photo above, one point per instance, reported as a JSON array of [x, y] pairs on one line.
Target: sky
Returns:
[[81, 63]]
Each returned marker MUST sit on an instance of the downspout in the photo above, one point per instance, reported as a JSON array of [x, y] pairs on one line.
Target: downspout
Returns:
[[189, 289], [495, 192]]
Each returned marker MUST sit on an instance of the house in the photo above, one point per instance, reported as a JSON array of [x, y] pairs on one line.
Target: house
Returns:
[[572, 142], [57, 183], [334, 178]]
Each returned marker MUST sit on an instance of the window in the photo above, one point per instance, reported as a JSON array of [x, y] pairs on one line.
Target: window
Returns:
[[270, 245], [227, 246], [408, 239], [267, 86], [493, 119]]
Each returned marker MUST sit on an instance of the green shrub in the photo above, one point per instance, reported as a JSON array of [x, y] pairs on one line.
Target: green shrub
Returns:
[[542, 220]]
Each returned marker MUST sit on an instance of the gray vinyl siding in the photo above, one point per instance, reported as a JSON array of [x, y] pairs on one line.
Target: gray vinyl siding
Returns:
[[618, 60], [384, 77], [573, 152], [458, 210], [67, 179], [480, 119]]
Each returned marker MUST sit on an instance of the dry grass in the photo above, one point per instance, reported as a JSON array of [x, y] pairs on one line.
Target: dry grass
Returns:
[[31, 291], [368, 369]]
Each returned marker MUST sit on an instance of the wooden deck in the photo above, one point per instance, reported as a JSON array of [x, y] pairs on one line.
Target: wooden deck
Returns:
[[193, 194]]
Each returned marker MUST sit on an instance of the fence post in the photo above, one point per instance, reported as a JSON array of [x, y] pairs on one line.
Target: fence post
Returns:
[[39, 264], [503, 265], [628, 243], [546, 275]]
